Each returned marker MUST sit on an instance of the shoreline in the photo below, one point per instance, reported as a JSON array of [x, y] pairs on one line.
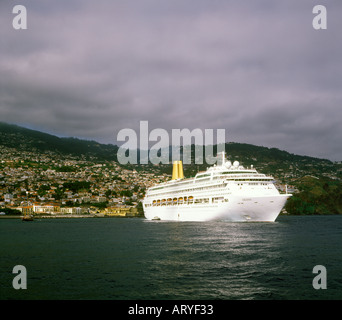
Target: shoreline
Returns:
[[88, 216], [66, 216]]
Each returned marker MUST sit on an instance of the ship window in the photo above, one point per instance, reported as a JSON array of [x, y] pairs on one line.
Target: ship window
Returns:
[[237, 172], [203, 175], [202, 179]]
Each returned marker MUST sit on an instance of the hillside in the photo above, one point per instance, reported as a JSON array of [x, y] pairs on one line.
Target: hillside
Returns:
[[13, 136], [316, 196], [278, 162], [316, 182]]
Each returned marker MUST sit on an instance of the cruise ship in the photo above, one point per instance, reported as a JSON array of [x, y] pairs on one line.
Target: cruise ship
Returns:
[[226, 191]]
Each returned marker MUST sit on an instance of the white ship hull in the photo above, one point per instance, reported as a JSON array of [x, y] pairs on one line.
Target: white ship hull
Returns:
[[223, 192], [256, 208]]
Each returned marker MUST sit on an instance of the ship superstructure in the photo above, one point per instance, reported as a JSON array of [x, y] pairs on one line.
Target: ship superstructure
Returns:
[[226, 191]]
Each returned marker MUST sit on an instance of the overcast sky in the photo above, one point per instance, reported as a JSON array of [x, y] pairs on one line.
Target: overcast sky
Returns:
[[256, 68]]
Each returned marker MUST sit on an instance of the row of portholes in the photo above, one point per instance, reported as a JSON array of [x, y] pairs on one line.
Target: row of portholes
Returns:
[[173, 201], [178, 201], [184, 201]]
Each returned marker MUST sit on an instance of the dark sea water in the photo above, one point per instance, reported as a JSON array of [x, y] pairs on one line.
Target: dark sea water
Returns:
[[111, 258]]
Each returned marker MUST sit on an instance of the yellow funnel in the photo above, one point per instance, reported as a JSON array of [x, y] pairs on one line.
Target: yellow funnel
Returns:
[[180, 170], [175, 170]]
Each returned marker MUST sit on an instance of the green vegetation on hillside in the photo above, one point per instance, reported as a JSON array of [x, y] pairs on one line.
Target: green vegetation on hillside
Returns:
[[14, 136], [316, 196]]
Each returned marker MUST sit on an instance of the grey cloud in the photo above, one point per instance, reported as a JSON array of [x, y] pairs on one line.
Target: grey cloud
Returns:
[[254, 68]]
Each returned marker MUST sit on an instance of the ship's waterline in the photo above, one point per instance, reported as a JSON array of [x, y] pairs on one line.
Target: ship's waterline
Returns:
[[224, 192]]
